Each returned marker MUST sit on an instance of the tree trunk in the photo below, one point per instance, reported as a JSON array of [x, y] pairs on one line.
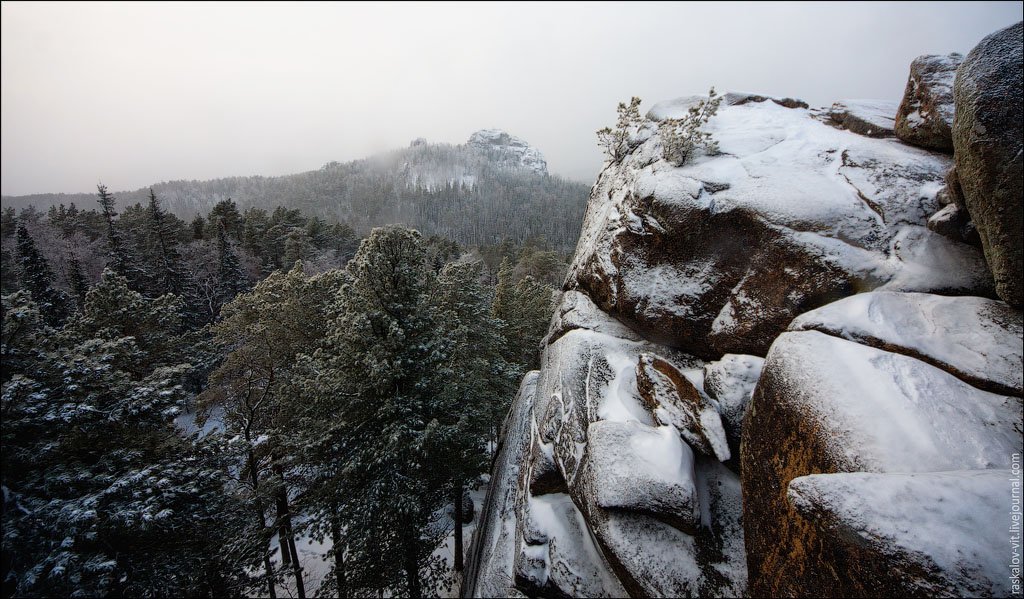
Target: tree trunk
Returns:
[[412, 568], [339, 554], [458, 526], [288, 538], [254, 477]]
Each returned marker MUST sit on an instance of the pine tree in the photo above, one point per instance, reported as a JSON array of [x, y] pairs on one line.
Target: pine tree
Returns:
[[111, 500], [120, 257], [36, 277], [481, 382], [166, 271], [381, 372], [265, 330], [230, 279], [76, 279]]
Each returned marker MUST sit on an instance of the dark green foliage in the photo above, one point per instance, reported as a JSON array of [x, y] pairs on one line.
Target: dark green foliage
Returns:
[[36, 277], [110, 499]]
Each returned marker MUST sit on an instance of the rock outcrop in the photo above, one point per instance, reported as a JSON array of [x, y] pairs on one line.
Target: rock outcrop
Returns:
[[988, 139], [510, 149], [659, 454], [925, 115], [873, 118], [718, 256], [876, 383]]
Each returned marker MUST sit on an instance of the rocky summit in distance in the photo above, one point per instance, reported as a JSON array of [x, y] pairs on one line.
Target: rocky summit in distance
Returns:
[[784, 368], [509, 148]]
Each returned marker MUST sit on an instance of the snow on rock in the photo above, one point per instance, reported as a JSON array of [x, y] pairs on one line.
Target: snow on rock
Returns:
[[634, 467], [976, 339], [730, 382], [925, 115], [873, 118], [826, 404], [556, 553], [675, 401], [946, 533], [719, 255], [576, 311], [492, 549], [509, 148]]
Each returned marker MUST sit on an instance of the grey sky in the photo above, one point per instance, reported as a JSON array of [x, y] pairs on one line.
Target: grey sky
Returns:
[[133, 94]]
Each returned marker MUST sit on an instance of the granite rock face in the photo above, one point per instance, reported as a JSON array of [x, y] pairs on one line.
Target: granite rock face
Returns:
[[988, 139], [879, 383], [925, 115]]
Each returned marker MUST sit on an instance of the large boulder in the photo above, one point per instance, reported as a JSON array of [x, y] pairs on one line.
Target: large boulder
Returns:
[[876, 384], [942, 532], [988, 138], [719, 255], [925, 115]]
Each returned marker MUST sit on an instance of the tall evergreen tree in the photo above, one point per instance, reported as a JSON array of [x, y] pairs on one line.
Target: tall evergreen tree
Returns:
[[381, 371], [76, 279], [120, 256], [481, 381], [36, 277], [230, 279], [167, 273]]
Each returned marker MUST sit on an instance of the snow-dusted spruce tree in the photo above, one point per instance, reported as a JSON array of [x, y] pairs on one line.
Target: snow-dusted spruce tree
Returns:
[[481, 380], [264, 332], [615, 142], [36, 277], [102, 495], [381, 375], [681, 137], [121, 256], [524, 307]]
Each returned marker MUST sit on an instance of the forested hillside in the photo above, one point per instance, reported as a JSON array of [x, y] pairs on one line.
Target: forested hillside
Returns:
[[183, 401], [493, 187]]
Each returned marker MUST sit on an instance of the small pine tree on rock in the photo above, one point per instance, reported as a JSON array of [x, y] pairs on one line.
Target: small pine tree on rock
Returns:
[[615, 142], [680, 138]]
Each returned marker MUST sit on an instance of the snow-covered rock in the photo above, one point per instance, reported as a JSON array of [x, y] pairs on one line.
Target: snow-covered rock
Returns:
[[826, 404], [873, 118], [925, 115], [675, 401], [719, 255], [942, 533], [489, 568], [988, 139], [954, 222], [730, 382], [976, 339], [638, 468], [508, 148]]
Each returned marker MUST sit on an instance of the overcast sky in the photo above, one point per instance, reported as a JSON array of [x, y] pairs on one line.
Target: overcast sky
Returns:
[[134, 94]]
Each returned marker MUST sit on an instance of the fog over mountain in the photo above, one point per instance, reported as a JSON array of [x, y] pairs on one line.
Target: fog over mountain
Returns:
[[135, 94]]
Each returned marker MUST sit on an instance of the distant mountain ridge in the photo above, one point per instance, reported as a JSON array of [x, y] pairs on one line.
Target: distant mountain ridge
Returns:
[[496, 185]]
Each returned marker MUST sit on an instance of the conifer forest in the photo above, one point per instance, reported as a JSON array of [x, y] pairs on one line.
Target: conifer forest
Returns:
[[183, 401]]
